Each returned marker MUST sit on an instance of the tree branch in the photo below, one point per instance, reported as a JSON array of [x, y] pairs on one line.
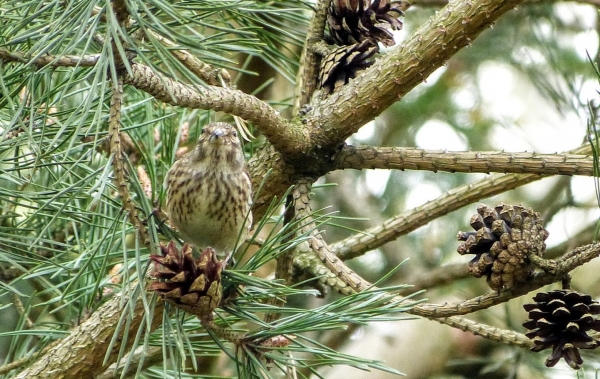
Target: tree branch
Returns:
[[507, 337], [277, 130], [306, 81], [332, 271], [396, 226], [402, 158], [82, 353], [121, 177], [564, 265], [413, 219], [50, 60], [345, 280], [403, 68]]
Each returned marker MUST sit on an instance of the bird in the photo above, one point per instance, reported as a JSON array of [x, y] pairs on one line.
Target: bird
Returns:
[[209, 191]]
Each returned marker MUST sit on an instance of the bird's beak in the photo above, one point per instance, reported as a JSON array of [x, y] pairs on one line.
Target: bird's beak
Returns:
[[216, 136]]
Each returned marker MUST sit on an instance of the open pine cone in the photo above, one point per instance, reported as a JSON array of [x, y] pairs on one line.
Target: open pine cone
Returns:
[[343, 63], [191, 285], [505, 237], [353, 21], [561, 319]]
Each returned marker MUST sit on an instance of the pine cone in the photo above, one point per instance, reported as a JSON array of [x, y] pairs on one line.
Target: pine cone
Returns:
[[343, 64], [504, 239], [353, 21], [561, 319], [191, 285]]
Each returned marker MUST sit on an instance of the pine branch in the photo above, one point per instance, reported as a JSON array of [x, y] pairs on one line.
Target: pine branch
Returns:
[[504, 336], [413, 219], [399, 225], [82, 353], [54, 61], [401, 158], [306, 81], [564, 265], [121, 176], [403, 68], [346, 278], [277, 130], [331, 271]]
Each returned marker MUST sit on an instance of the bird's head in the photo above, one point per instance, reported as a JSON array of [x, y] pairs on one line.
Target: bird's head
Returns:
[[219, 143]]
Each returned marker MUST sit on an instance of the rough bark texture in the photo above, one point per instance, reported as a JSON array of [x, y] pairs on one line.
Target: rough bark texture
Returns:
[[81, 353], [402, 158]]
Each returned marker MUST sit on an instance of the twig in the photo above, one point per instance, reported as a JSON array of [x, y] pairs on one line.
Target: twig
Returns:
[[50, 60], [306, 81], [206, 72], [21, 310], [285, 261], [406, 222], [121, 178], [401, 158], [508, 337], [237, 338], [277, 130]]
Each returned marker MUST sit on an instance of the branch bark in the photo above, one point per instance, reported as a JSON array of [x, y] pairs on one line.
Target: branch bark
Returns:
[[413, 219], [82, 353], [403, 68], [402, 158], [278, 131]]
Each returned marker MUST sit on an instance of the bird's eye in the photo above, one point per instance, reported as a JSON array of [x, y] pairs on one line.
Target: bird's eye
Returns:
[[234, 133], [202, 131]]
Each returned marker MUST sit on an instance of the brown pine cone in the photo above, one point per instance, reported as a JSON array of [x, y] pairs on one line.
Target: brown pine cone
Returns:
[[505, 237], [343, 64], [191, 285], [561, 319], [353, 21]]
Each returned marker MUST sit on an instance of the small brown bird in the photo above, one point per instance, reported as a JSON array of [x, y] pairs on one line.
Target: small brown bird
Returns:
[[209, 192]]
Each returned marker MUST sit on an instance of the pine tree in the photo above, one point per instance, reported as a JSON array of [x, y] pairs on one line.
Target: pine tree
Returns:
[[99, 99]]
